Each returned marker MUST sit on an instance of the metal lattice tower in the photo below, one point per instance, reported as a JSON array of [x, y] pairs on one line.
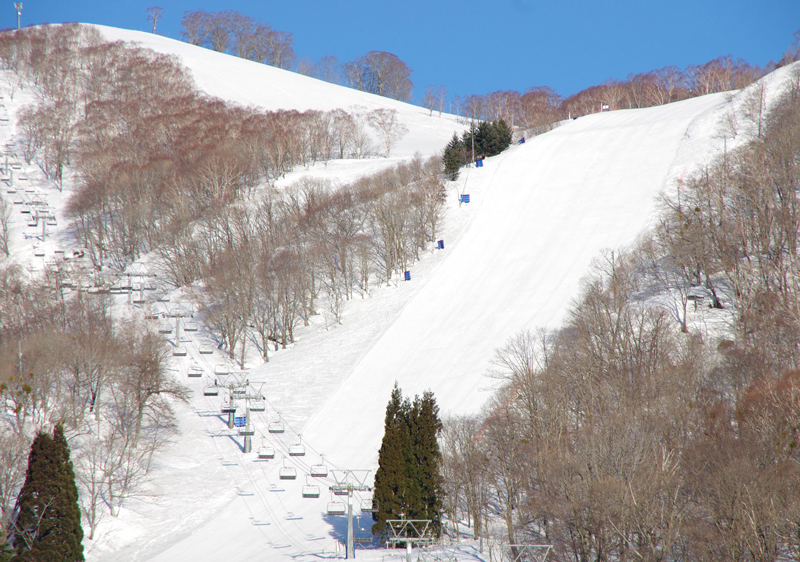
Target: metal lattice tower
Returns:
[[526, 552], [347, 482], [409, 532]]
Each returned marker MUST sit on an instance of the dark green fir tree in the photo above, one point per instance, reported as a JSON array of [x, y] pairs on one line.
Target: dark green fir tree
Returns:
[[48, 523], [391, 483], [426, 427], [453, 157], [408, 482]]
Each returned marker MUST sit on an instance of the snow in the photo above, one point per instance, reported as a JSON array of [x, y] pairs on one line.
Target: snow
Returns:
[[513, 259], [252, 84]]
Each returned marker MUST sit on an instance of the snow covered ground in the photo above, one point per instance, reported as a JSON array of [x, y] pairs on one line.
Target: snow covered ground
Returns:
[[513, 259]]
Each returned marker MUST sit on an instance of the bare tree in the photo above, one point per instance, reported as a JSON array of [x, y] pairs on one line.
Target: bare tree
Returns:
[[218, 27], [154, 14], [5, 225], [381, 73], [279, 49], [434, 98], [388, 126], [328, 69], [194, 27]]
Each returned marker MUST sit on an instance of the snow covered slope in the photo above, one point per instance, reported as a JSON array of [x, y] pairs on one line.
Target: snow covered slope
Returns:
[[514, 256], [513, 259], [252, 84], [541, 213]]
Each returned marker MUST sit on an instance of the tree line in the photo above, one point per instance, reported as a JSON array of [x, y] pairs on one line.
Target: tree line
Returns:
[[539, 108], [228, 31], [632, 432], [149, 153], [487, 138]]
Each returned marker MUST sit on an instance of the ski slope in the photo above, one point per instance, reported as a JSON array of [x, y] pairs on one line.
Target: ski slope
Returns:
[[513, 259], [251, 84], [540, 214]]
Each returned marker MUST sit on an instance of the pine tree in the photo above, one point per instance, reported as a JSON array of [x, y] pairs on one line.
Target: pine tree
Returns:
[[391, 484], [453, 157], [426, 427], [48, 523], [408, 482]]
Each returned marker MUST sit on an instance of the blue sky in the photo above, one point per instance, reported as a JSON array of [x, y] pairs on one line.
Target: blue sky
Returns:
[[478, 47]]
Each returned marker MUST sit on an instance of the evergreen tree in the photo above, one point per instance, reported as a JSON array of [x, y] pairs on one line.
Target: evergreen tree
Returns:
[[426, 427], [390, 488], [453, 157], [48, 523], [6, 553], [407, 482]]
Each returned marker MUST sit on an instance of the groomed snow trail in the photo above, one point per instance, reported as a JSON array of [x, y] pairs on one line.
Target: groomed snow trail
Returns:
[[542, 212], [513, 260]]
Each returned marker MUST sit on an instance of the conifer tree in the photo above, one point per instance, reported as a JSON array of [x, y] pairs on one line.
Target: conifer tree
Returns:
[[48, 523], [407, 482], [426, 427], [453, 157], [390, 489]]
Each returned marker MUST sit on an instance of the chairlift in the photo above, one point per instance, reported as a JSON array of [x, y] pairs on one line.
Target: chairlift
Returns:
[[165, 329], [336, 508], [258, 405], [265, 452], [287, 473], [211, 390], [228, 407], [163, 297], [297, 450], [190, 327], [319, 470], [222, 369], [310, 491], [206, 349], [276, 426], [367, 507], [195, 371], [179, 351], [292, 517]]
